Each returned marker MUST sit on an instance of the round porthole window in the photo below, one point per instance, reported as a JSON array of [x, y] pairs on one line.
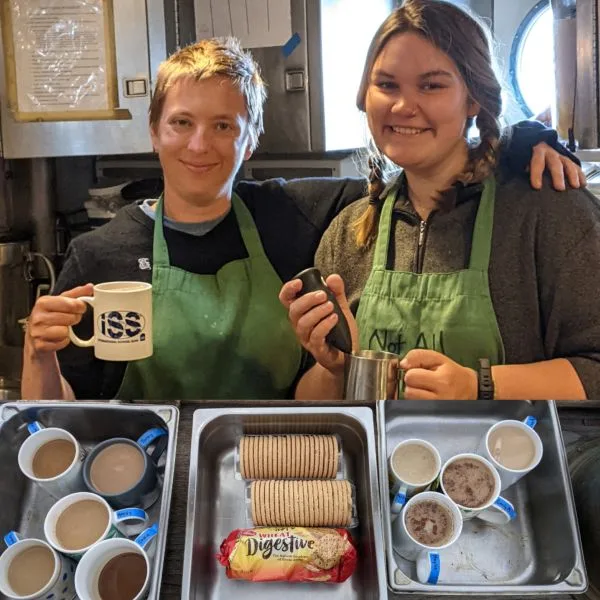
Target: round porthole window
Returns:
[[532, 60]]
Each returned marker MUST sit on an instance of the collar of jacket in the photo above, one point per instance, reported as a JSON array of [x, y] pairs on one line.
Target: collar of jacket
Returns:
[[457, 194]]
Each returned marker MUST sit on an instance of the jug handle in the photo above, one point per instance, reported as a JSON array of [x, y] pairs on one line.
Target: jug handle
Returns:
[[49, 267]]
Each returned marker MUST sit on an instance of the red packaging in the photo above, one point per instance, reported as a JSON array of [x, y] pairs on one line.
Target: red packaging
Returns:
[[288, 554]]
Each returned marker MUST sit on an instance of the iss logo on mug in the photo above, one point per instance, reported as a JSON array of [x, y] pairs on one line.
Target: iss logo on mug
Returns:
[[122, 321], [122, 325]]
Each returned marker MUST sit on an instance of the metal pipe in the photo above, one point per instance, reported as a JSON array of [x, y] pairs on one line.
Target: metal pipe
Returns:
[[43, 205]]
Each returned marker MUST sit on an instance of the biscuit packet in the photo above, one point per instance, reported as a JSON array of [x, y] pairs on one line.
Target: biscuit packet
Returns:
[[295, 554], [288, 456]]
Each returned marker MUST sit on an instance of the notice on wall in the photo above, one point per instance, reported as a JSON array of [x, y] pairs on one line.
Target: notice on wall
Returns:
[[256, 23], [59, 59]]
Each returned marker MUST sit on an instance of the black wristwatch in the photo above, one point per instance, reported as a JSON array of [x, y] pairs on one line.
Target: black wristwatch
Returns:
[[485, 382]]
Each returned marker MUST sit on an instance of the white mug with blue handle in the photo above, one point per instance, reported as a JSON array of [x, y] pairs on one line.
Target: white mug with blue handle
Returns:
[[401, 487], [120, 523], [71, 479], [61, 584], [510, 476], [496, 510], [88, 572], [411, 549]]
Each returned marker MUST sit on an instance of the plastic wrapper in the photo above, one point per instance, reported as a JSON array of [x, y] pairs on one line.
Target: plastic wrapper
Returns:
[[297, 554]]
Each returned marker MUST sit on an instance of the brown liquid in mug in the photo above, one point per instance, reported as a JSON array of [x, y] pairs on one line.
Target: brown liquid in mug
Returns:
[[30, 570], [81, 524], [429, 522], [469, 482], [53, 458], [511, 447], [123, 577], [117, 468]]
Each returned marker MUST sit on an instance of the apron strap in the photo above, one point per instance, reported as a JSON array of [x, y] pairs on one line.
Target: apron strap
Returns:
[[160, 253], [383, 233], [481, 246], [247, 228]]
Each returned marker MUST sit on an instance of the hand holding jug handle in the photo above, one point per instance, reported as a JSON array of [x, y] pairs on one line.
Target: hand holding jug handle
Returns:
[[73, 336], [339, 337]]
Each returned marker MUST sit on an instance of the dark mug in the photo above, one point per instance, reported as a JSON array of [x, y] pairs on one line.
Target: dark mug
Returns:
[[124, 472]]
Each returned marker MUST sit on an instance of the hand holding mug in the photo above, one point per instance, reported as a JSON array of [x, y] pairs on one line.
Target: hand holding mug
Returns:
[[50, 319]]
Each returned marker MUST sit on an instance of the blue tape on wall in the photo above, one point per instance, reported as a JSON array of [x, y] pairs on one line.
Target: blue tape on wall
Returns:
[[291, 45]]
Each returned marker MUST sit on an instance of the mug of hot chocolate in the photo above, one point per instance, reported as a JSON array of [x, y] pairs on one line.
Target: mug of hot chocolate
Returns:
[[514, 448], [124, 471], [430, 522], [116, 569], [30, 569], [473, 484], [413, 466], [79, 521], [52, 458]]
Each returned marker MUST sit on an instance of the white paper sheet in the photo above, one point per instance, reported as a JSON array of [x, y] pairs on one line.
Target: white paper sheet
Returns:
[[60, 55], [256, 23]]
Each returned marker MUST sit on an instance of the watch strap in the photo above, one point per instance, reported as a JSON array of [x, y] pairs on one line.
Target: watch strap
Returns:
[[485, 382]]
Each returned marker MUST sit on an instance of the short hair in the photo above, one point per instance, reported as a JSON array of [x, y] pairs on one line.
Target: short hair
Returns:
[[209, 58]]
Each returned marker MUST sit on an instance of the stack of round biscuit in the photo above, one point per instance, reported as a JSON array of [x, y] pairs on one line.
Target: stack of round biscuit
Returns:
[[288, 456], [302, 503], [274, 461]]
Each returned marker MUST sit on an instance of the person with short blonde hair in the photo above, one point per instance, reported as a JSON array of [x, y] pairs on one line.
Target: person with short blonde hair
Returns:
[[210, 58]]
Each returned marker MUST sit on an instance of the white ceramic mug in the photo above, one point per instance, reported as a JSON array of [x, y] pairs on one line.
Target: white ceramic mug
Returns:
[[60, 586], [91, 565], [122, 321], [411, 549], [496, 510], [71, 479], [117, 522], [510, 476], [403, 489]]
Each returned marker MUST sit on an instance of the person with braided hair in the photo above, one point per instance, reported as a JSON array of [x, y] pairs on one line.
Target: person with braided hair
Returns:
[[485, 287]]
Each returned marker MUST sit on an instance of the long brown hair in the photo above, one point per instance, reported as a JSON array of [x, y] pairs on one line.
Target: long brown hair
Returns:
[[466, 42]]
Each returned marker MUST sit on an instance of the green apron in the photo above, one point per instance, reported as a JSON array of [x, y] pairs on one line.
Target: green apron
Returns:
[[222, 336], [451, 313]]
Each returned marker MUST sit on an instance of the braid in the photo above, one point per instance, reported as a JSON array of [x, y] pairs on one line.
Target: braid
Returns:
[[484, 157], [364, 226]]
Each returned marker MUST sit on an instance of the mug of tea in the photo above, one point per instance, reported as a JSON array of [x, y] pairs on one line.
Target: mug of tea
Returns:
[[513, 447], [413, 466], [124, 472], [122, 321], [116, 569], [31, 569], [52, 458], [78, 521], [473, 484], [430, 522]]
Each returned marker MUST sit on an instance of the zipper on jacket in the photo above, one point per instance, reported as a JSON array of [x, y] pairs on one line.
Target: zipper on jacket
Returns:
[[420, 257]]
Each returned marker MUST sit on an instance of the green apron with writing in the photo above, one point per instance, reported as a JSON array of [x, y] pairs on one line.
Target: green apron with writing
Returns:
[[451, 313], [221, 336]]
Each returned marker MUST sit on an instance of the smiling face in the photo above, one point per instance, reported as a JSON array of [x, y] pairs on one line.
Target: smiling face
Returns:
[[201, 139], [417, 105]]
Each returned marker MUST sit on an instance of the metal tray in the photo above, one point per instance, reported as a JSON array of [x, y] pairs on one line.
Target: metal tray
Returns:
[[538, 553], [24, 504], [216, 499]]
